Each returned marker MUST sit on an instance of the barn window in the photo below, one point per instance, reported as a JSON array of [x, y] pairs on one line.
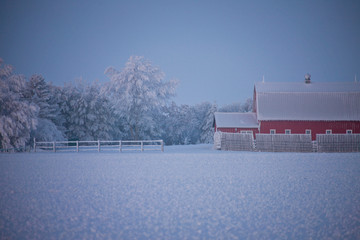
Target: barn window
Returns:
[[246, 132], [287, 131], [349, 131], [272, 131], [308, 131], [328, 131]]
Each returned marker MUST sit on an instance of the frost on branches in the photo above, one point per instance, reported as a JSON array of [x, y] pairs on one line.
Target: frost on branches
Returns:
[[207, 133], [18, 116], [134, 104], [88, 115], [137, 93], [186, 124], [50, 120]]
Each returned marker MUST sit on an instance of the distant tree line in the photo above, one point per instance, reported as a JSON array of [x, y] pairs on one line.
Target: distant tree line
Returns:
[[133, 104]]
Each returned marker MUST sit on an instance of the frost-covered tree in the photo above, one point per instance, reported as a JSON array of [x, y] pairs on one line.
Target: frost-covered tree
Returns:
[[247, 106], [49, 117], [137, 93], [233, 107], [39, 93], [238, 107], [196, 116], [18, 116], [178, 124], [169, 134], [88, 113], [186, 124], [56, 101], [207, 129]]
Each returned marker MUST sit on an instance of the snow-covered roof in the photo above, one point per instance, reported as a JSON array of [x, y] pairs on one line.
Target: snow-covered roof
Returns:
[[236, 120], [314, 101], [290, 87]]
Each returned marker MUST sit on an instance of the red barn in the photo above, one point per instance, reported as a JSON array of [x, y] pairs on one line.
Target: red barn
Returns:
[[298, 108], [235, 122]]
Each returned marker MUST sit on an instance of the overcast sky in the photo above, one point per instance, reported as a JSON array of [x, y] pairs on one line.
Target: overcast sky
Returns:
[[216, 49]]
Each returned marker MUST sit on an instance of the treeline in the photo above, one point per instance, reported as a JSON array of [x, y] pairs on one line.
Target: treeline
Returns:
[[134, 104]]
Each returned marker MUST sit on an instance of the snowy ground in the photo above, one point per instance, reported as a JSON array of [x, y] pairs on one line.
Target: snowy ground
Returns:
[[187, 192]]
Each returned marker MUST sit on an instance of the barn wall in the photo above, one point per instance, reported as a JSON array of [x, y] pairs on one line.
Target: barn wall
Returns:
[[237, 130], [317, 127]]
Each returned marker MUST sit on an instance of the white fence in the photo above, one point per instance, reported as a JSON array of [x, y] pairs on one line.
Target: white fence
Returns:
[[284, 143], [338, 142], [234, 141], [287, 142], [98, 146]]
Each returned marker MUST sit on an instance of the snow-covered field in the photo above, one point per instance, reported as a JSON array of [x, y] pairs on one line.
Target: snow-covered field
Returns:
[[187, 192]]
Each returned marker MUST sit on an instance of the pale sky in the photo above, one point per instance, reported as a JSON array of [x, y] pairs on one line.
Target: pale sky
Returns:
[[216, 49]]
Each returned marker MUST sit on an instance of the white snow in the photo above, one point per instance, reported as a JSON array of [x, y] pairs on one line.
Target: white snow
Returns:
[[187, 192]]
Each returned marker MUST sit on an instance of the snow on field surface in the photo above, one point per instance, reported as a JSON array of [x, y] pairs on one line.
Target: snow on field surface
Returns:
[[187, 192]]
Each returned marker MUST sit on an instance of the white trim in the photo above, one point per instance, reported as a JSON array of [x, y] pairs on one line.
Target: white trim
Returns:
[[272, 131], [287, 131], [246, 132], [349, 131], [259, 126], [257, 103], [308, 131], [328, 131]]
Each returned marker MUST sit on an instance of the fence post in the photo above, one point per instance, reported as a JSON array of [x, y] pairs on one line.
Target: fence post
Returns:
[[54, 147], [34, 144], [77, 146], [98, 145], [162, 145], [120, 146], [142, 146]]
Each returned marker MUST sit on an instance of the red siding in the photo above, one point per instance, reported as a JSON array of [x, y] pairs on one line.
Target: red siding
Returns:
[[238, 130], [316, 127]]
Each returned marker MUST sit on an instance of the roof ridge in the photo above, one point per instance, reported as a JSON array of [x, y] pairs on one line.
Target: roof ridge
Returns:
[[236, 112]]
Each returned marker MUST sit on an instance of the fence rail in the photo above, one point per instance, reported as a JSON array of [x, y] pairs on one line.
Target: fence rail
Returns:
[[119, 146]]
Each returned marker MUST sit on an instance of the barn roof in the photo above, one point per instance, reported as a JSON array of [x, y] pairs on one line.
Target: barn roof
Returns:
[[236, 120], [290, 87], [314, 101]]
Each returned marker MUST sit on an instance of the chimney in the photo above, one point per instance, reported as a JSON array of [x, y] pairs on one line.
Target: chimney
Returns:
[[307, 78]]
